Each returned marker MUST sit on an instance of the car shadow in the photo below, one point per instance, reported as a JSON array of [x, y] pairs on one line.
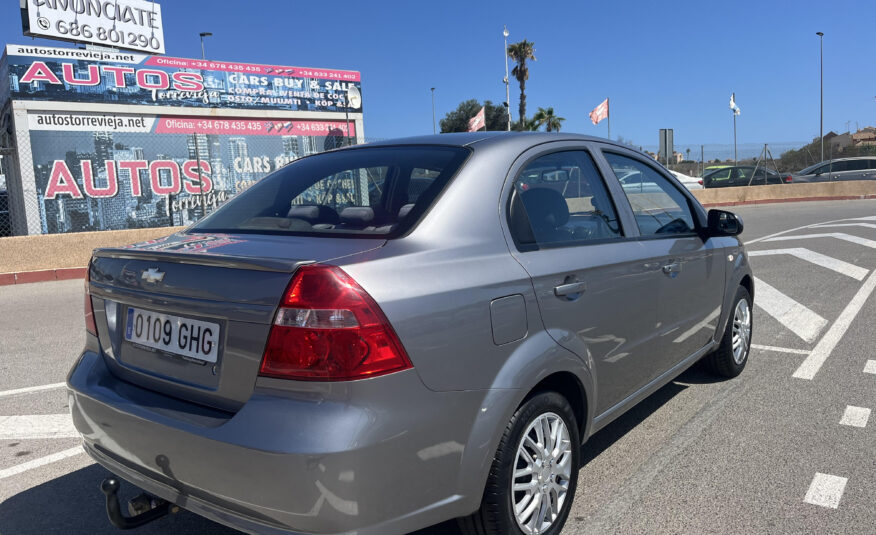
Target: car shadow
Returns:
[[73, 504]]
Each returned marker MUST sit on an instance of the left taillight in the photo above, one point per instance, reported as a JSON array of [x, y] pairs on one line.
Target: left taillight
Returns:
[[90, 324], [329, 329]]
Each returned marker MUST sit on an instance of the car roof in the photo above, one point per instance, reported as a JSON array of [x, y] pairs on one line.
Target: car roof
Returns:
[[484, 139]]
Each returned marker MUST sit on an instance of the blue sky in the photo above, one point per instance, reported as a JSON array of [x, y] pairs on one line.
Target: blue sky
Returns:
[[664, 65]]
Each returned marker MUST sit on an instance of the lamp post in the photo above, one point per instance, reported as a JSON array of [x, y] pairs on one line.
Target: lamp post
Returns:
[[821, 100], [507, 88], [204, 34], [433, 111]]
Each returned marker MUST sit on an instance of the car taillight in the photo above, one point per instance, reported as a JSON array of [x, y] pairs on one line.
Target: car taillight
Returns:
[[701, 182], [90, 324], [329, 329], [788, 178]]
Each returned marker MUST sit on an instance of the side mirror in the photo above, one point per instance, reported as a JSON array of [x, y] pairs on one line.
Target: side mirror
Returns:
[[723, 223]]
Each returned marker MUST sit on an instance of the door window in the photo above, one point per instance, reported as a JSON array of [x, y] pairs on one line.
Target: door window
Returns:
[[660, 209], [849, 165], [560, 199]]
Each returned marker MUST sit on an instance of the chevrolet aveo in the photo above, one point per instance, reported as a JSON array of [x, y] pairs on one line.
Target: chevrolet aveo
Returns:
[[384, 337]]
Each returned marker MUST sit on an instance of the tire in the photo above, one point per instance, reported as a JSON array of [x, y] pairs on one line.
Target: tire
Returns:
[[496, 514], [724, 361]]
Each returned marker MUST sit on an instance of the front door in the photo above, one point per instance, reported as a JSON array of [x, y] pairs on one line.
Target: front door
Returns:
[[691, 270]]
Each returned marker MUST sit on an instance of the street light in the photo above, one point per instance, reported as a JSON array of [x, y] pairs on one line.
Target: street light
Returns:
[[433, 111], [204, 34], [354, 101], [507, 89], [821, 112]]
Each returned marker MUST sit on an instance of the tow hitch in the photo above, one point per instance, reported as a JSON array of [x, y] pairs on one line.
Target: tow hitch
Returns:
[[143, 508]]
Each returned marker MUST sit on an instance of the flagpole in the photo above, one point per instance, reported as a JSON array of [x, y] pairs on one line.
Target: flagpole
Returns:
[[735, 158], [608, 117]]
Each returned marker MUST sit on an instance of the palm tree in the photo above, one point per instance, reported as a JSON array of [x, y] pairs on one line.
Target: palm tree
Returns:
[[546, 117], [520, 53]]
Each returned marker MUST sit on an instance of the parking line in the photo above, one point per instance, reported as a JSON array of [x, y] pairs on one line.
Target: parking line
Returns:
[[834, 264], [42, 461], [838, 235], [37, 426], [792, 315], [831, 338], [30, 389], [826, 490], [780, 349], [855, 416], [865, 225], [870, 367]]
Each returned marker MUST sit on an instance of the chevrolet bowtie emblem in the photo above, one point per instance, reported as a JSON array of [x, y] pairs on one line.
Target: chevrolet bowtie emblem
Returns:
[[152, 275]]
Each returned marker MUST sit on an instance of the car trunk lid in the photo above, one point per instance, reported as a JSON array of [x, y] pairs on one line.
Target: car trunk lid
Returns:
[[199, 283]]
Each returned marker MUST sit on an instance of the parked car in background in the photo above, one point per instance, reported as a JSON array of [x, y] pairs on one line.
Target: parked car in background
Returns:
[[743, 175], [859, 168], [5, 221], [690, 182], [436, 347]]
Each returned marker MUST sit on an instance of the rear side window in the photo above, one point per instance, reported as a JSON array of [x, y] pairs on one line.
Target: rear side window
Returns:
[[849, 165], [560, 199], [370, 191], [659, 207]]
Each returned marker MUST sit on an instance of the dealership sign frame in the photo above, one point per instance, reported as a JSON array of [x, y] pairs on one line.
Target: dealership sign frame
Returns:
[[123, 24]]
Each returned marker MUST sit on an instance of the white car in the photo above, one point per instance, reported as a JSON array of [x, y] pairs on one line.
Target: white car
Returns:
[[690, 182]]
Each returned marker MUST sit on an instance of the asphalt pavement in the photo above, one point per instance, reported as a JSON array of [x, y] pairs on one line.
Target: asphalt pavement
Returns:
[[787, 447]]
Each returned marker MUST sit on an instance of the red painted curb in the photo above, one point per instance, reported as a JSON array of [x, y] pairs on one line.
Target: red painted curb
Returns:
[[795, 199], [25, 277]]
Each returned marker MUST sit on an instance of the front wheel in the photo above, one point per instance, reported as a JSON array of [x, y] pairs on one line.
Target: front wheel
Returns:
[[731, 356], [534, 474]]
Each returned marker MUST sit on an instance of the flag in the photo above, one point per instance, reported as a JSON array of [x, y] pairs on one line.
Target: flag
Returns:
[[733, 107], [599, 112], [477, 122]]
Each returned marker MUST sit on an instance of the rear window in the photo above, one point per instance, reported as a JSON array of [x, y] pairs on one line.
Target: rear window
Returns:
[[371, 191]]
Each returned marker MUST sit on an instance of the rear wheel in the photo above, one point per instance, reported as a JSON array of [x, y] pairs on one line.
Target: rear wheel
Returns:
[[534, 474], [731, 356]]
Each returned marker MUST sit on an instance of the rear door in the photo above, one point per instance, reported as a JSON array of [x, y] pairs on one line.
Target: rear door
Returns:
[[689, 271], [596, 297], [850, 170]]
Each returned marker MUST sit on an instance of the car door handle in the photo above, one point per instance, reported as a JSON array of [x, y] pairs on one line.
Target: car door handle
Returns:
[[570, 288], [674, 267]]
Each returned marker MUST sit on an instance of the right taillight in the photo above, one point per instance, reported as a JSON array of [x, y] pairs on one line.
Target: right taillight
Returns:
[[90, 324], [329, 329]]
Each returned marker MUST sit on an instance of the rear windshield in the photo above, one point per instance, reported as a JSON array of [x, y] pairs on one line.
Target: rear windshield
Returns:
[[372, 191]]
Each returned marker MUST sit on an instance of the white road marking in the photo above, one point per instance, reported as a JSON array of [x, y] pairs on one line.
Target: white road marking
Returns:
[[826, 490], [795, 317], [42, 461], [780, 349], [855, 416], [837, 235], [835, 264], [37, 426], [831, 338], [29, 389], [870, 367], [865, 225]]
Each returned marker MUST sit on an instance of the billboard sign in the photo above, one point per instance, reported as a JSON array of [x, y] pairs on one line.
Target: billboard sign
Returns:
[[127, 24], [70, 75], [96, 171]]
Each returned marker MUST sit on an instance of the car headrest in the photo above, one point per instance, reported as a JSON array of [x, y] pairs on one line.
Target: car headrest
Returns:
[[405, 210], [314, 213], [357, 216], [546, 208]]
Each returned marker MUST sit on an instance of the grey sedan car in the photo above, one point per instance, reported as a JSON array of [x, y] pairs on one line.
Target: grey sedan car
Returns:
[[384, 337], [859, 168]]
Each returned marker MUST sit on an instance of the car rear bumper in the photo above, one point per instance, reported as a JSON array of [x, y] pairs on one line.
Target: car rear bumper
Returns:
[[385, 455]]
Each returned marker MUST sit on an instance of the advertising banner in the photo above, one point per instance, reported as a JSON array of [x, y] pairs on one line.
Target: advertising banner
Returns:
[[129, 24], [71, 75], [106, 172]]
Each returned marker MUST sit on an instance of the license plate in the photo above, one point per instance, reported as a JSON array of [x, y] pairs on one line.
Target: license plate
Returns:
[[181, 336]]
